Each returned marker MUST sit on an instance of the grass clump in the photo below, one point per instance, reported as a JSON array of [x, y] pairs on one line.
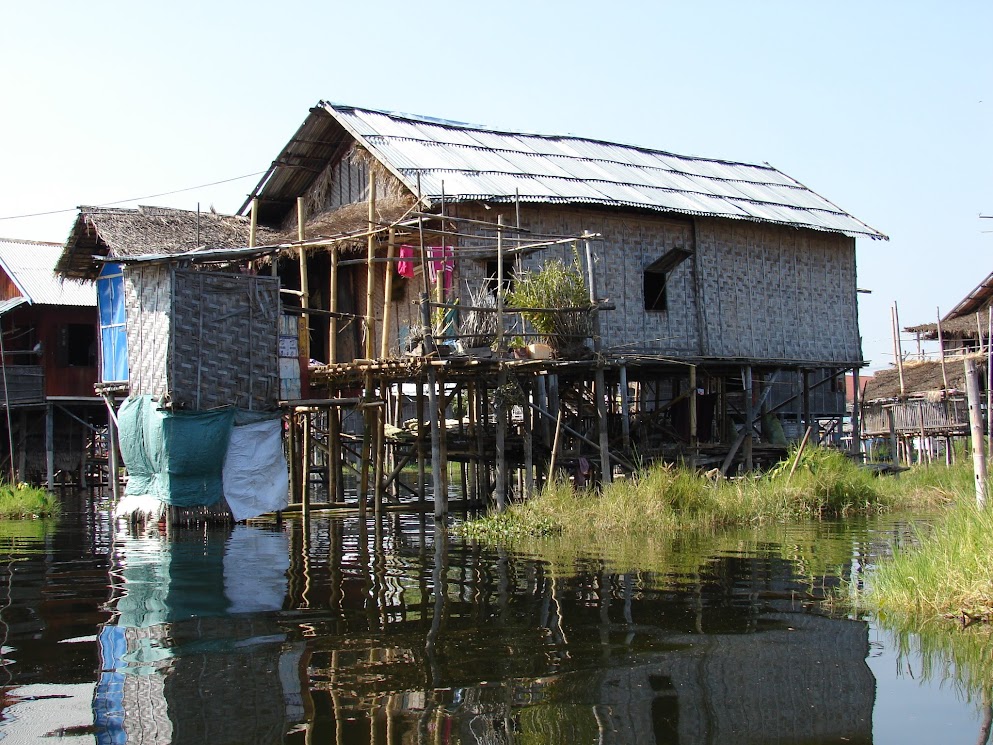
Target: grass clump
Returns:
[[22, 501], [666, 498], [946, 571]]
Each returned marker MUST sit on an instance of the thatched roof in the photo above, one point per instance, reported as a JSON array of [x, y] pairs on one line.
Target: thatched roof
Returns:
[[959, 326], [921, 378], [122, 233], [351, 218]]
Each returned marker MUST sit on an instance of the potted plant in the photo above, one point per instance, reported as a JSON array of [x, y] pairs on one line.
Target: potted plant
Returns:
[[555, 301]]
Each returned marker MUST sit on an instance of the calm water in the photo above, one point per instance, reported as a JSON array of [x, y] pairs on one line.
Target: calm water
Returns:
[[345, 632]]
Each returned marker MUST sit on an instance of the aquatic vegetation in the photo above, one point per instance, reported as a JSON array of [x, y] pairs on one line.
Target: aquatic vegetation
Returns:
[[665, 499], [22, 500], [946, 572]]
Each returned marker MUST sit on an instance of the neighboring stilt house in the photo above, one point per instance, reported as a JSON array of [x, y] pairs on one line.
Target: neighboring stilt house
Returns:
[[914, 410], [724, 293], [49, 346], [190, 340]]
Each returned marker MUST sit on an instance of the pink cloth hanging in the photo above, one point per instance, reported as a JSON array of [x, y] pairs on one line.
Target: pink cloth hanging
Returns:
[[405, 267], [442, 258]]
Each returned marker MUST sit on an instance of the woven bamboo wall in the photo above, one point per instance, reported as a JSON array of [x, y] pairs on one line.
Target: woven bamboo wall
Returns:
[[205, 339], [772, 292], [753, 291], [148, 310]]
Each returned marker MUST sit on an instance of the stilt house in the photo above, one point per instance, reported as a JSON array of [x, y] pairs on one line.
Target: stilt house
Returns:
[[914, 410], [189, 334], [49, 349], [722, 295]]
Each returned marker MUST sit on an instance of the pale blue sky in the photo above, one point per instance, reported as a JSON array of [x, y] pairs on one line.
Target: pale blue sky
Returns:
[[882, 107]]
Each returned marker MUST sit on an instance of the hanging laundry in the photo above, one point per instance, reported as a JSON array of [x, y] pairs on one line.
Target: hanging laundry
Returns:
[[442, 258], [405, 266]]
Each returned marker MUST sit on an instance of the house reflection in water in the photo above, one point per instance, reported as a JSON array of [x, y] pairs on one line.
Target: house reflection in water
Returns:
[[195, 653], [335, 633]]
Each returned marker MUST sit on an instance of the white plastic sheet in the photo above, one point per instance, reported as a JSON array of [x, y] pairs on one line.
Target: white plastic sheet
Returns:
[[255, 471]]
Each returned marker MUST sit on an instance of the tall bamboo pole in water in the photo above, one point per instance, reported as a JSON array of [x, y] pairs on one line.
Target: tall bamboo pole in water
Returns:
[[976, 424]]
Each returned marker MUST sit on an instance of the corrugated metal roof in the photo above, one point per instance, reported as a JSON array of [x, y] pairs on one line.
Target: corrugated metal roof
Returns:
[[468, 162], [31, 265]]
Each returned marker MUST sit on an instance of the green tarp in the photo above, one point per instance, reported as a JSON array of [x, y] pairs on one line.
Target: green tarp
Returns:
[[174, 456]]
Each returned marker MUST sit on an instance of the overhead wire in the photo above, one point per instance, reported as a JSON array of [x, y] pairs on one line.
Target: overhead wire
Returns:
[[135, 199]]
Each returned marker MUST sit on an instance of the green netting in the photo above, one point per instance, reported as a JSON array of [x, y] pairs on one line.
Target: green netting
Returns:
[[175, 456]]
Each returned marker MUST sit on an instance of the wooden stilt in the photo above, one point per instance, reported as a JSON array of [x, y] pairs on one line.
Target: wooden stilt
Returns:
[[294, 455], [419, 407], [625, 409], [501, 441], [305, 464], [50, 446], [694, 440], [527, 425], [749, 416]]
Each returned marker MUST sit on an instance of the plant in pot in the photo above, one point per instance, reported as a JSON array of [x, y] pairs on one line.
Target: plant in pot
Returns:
[[555, 301]]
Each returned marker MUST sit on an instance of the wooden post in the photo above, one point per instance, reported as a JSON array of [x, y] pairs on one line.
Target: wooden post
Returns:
[[501, 441], [528, 425], [976, 425], [600, 387], [499, 295], [694, 438], [368, 414], [291, 446], [333, 307], [388, 294], [50, 446], [805, 399], [749, 416], [370, 276], [419, 443], [897, 352], [625, 408], [304, 288], [894, 440], [335, 455], [305, 465], [856, 413], [941, 353], [378, 454]]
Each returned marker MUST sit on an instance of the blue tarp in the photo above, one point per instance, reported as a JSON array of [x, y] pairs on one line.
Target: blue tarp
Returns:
[[175, 456]]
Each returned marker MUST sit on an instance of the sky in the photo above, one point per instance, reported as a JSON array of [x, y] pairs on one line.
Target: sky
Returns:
[[883, 107]]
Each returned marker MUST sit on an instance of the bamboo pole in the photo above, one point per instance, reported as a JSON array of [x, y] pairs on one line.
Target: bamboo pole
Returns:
[[333, 307], [976, 426], [694, 440], [388, 294], [304, 286], [941, 353], [600, 387], [501, 441], [499, 287], [897, 351], [370, 277]]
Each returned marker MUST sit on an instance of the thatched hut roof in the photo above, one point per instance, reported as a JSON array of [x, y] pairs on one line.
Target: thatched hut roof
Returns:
[[922, 379], [122, 233], [958, 327], [348, 219]]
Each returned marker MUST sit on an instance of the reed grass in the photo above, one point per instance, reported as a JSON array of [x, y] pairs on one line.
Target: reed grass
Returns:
[[946, 571], [24, 501], [665, 499]]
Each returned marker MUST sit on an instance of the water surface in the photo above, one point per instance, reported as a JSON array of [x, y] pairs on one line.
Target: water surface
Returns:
[[346, 631]]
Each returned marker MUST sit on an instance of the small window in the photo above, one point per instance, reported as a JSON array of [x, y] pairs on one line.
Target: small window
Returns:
[[657, 276], [655, 298], [491, 276], [78, 345]]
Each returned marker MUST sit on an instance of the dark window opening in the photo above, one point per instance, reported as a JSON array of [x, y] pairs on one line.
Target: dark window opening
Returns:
[[655, 296], [657, 276], [491, 276], [78, 345]]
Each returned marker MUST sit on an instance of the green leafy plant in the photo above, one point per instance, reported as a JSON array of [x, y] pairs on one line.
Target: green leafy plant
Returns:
[[559, 300]]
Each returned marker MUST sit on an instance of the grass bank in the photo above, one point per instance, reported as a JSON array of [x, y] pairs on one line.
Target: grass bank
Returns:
[[947, 571], [663, 499], [21, 501]]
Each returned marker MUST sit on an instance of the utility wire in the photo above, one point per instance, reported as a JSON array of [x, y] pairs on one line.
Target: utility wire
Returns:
[[135, 199]]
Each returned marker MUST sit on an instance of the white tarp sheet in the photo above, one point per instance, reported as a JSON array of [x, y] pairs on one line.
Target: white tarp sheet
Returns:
[[255, 471]]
